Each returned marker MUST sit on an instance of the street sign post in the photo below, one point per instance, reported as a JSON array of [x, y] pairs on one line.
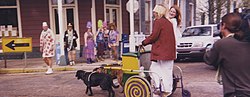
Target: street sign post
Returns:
[[16, 45], [132, 8]]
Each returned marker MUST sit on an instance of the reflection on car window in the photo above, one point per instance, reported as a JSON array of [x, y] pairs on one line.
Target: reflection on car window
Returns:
[[197, 31]]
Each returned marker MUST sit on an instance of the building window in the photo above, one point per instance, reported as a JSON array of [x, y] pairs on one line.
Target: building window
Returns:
[[8, 18], [68, 12], [147, 17], [7, 2], [147, 11], [112, 2], [54, 2]]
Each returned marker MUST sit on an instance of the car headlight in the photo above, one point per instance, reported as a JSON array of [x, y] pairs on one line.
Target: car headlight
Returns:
[[208, 48], [199, 44]]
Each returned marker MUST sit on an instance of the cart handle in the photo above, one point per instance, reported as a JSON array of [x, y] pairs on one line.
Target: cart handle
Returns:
[[141, 49]]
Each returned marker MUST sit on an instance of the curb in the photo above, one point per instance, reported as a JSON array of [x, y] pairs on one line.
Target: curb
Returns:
[[32, 70], [86, 67]]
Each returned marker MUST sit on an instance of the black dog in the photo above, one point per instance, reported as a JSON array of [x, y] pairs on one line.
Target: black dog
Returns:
[[93, 79]]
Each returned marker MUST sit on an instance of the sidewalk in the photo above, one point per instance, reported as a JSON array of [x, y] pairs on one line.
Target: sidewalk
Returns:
[[38, 65]]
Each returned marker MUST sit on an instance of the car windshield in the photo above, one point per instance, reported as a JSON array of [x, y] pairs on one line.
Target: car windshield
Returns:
[[197, 31]]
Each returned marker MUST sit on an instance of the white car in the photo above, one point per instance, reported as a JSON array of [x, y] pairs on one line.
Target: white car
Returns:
[[195, 40]]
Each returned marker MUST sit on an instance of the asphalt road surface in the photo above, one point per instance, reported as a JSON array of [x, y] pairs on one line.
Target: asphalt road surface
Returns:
[[198, 78]]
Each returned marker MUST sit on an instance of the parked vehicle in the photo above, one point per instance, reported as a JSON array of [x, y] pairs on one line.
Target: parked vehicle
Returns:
[[195, 40]]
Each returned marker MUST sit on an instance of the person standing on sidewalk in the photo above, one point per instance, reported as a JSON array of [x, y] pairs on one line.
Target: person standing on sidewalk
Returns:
[[89, 44], [163, 52], [106, 38], [113, 41], [100, 42], [70, 37], [47, 46]]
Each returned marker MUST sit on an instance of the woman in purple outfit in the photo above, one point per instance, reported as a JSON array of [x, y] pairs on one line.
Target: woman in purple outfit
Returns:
[[89, 44]]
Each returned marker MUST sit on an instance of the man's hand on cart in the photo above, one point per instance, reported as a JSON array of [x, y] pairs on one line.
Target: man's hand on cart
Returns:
[[141, 48]]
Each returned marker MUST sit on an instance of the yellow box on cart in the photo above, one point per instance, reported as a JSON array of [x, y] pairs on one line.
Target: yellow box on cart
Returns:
[[130, 62]]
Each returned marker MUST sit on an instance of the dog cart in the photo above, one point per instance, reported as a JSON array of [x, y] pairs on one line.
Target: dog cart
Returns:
[[135, 75]]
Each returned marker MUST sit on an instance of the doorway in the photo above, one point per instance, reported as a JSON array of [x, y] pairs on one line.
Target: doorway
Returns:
[[68, 17], [112, 11], [112, 16]]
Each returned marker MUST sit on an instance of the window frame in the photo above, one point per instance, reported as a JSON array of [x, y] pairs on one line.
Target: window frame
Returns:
[[10, 5], [19, 26]]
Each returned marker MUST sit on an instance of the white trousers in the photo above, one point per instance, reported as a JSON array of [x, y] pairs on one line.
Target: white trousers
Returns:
[[162, 69]]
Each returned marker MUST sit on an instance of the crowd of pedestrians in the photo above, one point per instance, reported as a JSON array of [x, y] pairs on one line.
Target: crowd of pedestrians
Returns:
[[97, 47]]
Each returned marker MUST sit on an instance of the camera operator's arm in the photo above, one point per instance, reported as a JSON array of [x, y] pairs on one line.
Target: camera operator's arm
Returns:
[[211, 57]]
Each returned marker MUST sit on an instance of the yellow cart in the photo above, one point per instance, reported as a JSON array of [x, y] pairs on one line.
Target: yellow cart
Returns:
[[135, 75]]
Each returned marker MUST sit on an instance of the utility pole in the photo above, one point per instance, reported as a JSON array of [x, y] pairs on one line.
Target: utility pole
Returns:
[[60, 17], [131, 21]]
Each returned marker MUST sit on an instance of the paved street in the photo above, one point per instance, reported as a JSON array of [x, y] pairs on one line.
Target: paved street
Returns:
[[198, 79]]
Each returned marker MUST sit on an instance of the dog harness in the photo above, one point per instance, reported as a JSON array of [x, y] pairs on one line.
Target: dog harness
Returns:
[[90, 75]]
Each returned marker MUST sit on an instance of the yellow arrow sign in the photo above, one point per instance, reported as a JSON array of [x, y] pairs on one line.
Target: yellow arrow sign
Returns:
[[17, 45]]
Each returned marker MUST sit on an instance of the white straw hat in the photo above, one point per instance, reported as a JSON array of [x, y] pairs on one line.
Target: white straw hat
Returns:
[[45, 24], [69, 25]]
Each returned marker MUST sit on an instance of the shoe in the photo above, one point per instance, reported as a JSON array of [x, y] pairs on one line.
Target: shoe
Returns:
[[91, 60], [166, 94], [49, 71], [88, 61], [157, 92], [102, 59], [155, 95], [161, 94], [70, 63], [98, 59]]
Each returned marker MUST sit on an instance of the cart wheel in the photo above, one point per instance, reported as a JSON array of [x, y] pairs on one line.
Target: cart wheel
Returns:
[[137, 86], [175, 81], [186, 93]]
